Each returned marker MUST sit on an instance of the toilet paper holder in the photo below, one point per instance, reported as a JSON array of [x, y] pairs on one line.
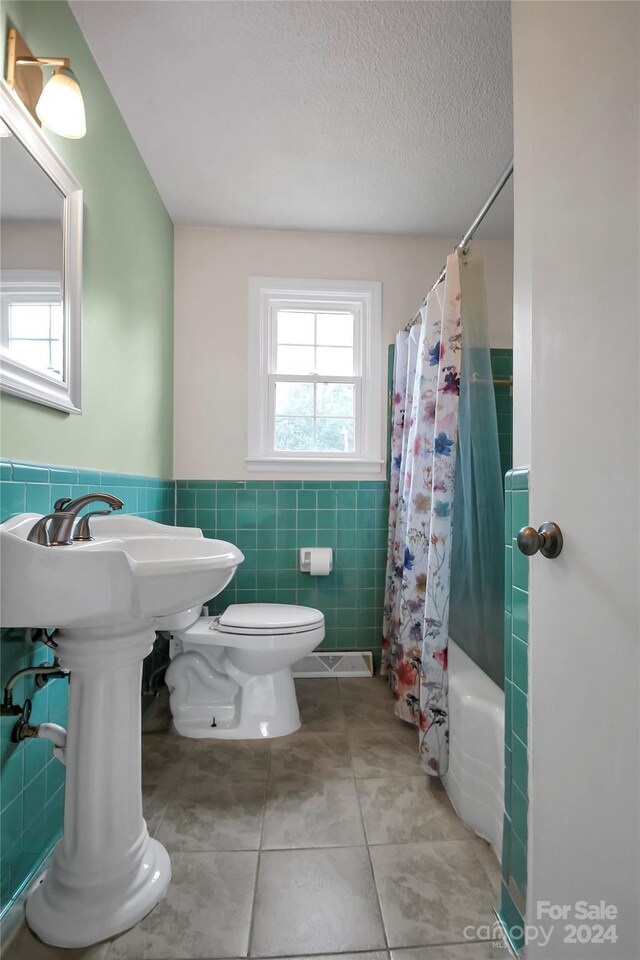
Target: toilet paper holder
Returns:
[[306, 554]]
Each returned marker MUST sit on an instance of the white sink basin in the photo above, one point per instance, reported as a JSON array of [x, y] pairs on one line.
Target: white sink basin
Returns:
[[134, 570]]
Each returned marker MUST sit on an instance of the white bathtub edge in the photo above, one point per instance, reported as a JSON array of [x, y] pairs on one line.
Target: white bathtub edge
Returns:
[[475, 779]]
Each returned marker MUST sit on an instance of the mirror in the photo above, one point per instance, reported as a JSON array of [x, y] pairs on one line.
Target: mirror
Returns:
[[40, 265]]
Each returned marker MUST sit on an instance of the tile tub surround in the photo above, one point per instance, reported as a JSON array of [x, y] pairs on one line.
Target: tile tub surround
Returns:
[[270, 520], [502, 367], [514, 837], [301, 845], [32, 780]]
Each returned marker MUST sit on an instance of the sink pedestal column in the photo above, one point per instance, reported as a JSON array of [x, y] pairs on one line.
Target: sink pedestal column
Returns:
[[106, 873]]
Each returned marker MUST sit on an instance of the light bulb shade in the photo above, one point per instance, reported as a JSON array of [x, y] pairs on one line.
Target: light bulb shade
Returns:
[[61, 107]]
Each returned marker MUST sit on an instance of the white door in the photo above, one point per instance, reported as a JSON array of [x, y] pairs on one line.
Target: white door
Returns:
[[576, 417]]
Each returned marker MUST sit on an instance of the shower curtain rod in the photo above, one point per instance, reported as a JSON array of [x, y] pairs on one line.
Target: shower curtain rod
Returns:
[[464, 240]]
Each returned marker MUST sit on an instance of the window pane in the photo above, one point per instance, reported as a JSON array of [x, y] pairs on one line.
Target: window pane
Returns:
[[295, 360], [336, 361], [335, 399], [334, 435], [295, 327], [294, 398], [33, 353], [294, 433], [56, 321], [56, 358], [335, 329], [29, 321]]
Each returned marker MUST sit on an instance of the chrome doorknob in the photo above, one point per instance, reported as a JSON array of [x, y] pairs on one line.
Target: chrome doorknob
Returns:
[[547, 539]]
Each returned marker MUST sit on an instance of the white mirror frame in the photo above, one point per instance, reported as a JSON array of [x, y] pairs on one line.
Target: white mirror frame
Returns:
[[16, 378]]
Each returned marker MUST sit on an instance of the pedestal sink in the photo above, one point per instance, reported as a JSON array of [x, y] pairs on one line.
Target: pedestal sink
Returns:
[[106, 873]]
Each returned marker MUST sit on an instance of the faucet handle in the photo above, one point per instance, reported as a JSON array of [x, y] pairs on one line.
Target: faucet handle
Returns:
[[61, 504], [39, 533], [83, 527]]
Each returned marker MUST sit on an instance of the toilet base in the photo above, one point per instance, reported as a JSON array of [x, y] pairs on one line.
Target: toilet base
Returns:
[[265, 707]]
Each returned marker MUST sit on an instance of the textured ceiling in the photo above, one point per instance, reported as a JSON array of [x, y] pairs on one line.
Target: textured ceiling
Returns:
[[385, 117]]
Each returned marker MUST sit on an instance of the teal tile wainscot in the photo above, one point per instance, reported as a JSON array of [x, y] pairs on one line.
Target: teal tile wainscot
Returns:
[[32, 780], [514, 838], [271, 520]]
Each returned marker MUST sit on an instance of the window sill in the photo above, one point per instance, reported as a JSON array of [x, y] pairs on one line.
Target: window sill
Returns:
[[317, 465]]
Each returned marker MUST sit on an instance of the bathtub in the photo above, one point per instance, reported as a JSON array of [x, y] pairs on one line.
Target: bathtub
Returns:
[[475, 779]]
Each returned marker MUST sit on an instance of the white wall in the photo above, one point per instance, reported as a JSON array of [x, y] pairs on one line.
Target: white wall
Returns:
[[213, 267], [29, 245], [577, 320]]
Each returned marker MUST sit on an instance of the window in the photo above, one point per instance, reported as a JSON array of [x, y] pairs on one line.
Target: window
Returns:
[[314, 375], [35, 335], [32, 320]]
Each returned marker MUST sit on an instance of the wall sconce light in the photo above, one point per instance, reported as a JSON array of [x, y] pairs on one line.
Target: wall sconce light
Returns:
[[58, 104]]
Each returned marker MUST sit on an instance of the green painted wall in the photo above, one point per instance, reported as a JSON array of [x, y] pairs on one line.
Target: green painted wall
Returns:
[[127, 419]]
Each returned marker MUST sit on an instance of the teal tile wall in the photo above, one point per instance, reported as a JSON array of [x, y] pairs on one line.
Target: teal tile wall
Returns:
[[32, 795], [514, 838], [271, 520], [502, 368]]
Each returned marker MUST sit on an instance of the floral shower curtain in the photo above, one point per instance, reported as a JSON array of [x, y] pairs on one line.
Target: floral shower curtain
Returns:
[[406, 355], [423, 467]]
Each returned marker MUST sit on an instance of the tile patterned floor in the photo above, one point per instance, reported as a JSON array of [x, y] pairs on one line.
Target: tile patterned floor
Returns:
[[331, 842]]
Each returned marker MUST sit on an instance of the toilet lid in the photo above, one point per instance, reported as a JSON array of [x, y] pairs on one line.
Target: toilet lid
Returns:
[[269, 618]]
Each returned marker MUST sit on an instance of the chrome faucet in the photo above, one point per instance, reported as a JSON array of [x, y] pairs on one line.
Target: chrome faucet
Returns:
[[62, 530], [56, 529]]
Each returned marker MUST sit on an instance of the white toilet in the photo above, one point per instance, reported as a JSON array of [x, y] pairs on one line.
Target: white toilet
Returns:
[[230, 676]]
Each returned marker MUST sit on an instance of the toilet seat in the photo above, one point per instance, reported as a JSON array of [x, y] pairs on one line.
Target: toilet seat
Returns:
[[254, 620], [269, 618]]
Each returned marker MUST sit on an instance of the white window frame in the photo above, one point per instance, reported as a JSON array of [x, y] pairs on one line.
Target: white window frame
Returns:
[[267, 295], [28, 286]]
